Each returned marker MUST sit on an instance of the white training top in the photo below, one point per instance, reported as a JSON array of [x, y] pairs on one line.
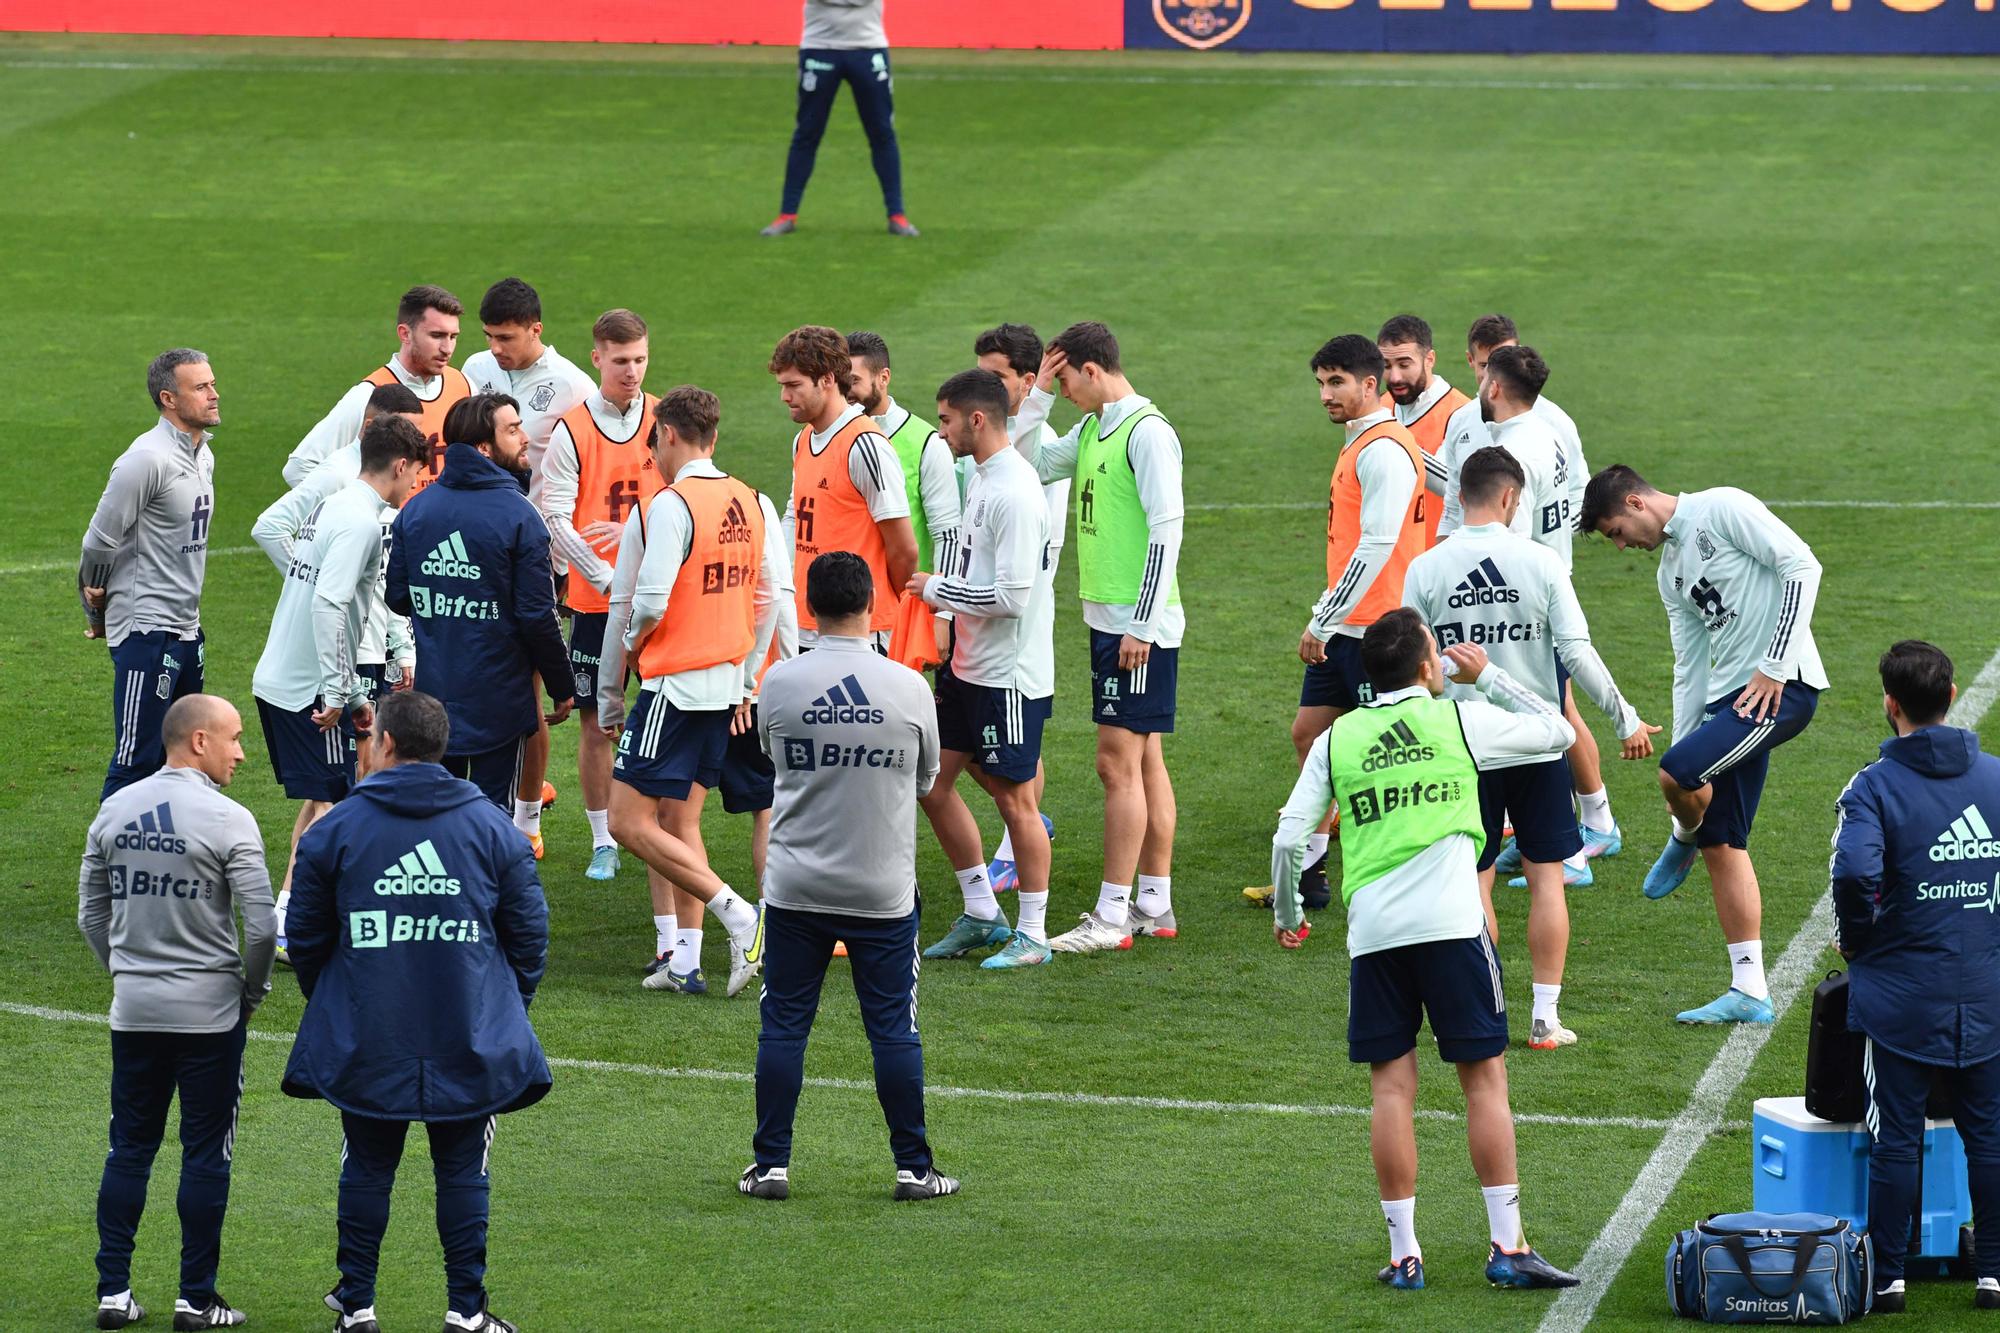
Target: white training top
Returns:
[[335, 574], [343, 424], [1435, 894], [545, 389], [1154, 450], [1466, 432], [1488, 585], [1545, 515], [386, 636], [1739, 587], [1001, 593]]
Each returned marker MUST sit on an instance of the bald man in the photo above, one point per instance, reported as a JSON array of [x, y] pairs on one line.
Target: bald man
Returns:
[[168, 863]]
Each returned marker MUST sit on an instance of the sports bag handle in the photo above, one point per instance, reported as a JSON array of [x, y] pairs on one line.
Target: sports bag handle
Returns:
[[1802, 1257]]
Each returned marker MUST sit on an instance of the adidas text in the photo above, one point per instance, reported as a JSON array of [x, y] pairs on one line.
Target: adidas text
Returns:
[[844, 713], [1381, 759], [451, 569], [1483, 596], [150, 842], [1975, 849]]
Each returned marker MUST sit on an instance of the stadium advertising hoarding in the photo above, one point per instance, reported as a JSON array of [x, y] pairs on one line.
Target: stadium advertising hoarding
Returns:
[[1771, 27], [1082, 25]]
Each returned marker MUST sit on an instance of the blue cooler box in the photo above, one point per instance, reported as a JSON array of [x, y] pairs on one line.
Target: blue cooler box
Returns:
[[1802, 1164]]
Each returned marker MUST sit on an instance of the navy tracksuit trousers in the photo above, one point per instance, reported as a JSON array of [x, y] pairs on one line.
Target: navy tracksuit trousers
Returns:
[[797, 948], [821, 73], [1898, 1088]]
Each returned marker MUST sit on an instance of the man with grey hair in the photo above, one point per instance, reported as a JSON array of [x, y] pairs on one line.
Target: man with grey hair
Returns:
[[167, 863], [143, 559]]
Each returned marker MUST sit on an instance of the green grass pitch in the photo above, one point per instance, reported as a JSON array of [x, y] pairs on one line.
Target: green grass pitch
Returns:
[[1778, 275]]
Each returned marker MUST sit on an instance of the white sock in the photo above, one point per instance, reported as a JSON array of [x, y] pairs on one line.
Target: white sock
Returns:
[[1401, 1215], [1006, 852], [528, 815], [120, 1301], [663, 934], [1682, 834], [1594, 808], [1746, 969], [978, 891], [284, 902], [453, 1319], [687, 950], [1034, 916], [737, 917], [1545, 1003], [1112, 900], [1156, 894], [1503, 1216], [1316, 844], [600, 828]]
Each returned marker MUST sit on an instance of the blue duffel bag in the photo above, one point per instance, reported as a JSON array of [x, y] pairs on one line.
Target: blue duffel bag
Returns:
[[1771, 1268]]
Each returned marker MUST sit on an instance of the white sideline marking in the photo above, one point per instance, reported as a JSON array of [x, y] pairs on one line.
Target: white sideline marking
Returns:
[[56, 566], [1702, 1116], [1774, 504], [460, 63], [1012, 1095]]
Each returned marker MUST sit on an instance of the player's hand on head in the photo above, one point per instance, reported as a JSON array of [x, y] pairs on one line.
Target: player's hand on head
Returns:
[[1639, 744], [1053, 362], [1464, 662]]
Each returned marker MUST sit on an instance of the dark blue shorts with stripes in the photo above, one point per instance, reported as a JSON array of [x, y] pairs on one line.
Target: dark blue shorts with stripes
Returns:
[[1732, 754]]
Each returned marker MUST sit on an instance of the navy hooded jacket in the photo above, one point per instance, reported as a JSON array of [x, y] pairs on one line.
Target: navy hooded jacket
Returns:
[[1916, 890], [419, 932], [469, 564]]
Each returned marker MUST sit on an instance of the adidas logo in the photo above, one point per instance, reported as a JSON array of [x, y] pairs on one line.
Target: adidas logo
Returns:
[[823, 484], [844, 702], [735, 524], [1109, 710], [992, 757], [417, 871], [450, 561], [1397, 745], [151, 832], [1483, 587], [1968, 839], [1100, 470]]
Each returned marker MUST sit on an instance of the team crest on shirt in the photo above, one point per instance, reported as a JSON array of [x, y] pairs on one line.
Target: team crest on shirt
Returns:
[[544, 395], [1703, 544], [1201, 24]]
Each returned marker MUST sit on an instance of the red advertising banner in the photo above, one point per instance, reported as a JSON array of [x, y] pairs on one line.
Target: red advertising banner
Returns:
[[1075, 25]]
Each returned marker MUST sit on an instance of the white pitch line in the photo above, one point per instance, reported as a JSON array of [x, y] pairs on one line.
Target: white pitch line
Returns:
[[58, 566], [1013, 1096], [1702, 1116]]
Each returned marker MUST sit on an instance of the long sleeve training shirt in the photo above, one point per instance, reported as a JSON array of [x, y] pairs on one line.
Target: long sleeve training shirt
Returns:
[[167, 864], [1387, 482], [1435, 894], [147, 543], [385, 637], [1001, 592], [1154, 450], [342, 425], [1739, 587]]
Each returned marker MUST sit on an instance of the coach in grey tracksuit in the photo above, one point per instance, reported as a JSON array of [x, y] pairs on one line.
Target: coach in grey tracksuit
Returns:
[[144, 555], [167, 864], [854, 739]]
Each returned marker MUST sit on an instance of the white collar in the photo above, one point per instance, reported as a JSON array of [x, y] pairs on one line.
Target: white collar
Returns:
[[699, 467], [819, 438], [1359, 424], [191, 443], [1112, 413], [1425, 401]]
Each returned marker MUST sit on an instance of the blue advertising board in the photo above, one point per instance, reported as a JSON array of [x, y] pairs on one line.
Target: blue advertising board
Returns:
[[1769, 27]]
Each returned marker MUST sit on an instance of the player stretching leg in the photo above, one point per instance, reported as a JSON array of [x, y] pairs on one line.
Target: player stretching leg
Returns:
[[1127, 462], [597, 470], [993, 693], [1486, 585], [704, 605], [1014, 353], [1739, 587]]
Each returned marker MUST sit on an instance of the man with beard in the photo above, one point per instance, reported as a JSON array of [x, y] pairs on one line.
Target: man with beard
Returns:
[[847, 487], [930, 480], [1423, 401], [469, 563]]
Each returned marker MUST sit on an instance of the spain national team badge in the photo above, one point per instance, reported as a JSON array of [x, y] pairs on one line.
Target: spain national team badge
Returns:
[[1201, 24], [544, 395]]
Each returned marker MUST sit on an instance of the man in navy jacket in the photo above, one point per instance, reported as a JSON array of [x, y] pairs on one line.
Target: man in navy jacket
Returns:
[[419, 933], [1916, 889], [469, 564]]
